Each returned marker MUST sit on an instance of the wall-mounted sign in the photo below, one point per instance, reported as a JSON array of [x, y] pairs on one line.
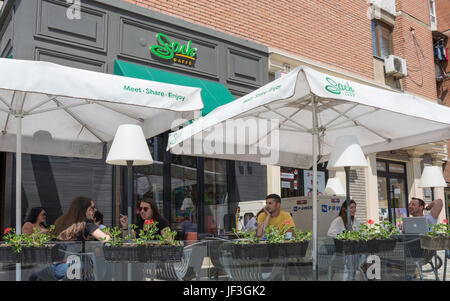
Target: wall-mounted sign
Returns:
[[178, 53]]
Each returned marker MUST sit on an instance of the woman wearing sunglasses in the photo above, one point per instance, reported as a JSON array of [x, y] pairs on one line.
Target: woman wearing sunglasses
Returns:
[[35, 220], [147, 210]]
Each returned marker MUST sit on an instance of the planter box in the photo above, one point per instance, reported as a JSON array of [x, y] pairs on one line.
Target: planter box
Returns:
[[350, 247], [295, 249], [28, 255], [381, 245], [434, 243], [150, 253], [266, 251], [123, 253]]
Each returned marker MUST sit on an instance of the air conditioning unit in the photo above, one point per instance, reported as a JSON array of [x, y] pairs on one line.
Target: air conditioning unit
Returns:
[[395, 66]]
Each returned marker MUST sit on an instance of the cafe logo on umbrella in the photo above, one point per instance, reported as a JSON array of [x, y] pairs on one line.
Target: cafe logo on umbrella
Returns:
[[168, 50], [339, 88]]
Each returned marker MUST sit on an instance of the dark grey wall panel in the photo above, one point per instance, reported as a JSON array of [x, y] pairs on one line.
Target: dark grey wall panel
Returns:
[[136, 39], [6, 35], [89, 32], [69, 60], [244, 68]]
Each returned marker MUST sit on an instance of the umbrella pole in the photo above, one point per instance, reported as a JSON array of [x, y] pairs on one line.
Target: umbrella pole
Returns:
[[18, 187], [129, 207], [315, 133]]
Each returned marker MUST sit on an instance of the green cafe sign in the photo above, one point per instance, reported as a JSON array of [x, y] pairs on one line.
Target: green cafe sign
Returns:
[[339, 88], [168, 50]]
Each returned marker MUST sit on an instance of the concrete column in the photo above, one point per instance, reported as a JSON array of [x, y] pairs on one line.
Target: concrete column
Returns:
[[413, 174], [273, 180], [439, 192], [372, 188]]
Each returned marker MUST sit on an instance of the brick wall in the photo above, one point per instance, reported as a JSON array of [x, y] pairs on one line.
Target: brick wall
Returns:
[[443, 24], [418, 9], [337, 33], [418, 52]]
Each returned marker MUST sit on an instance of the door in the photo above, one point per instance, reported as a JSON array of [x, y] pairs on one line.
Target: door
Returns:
[[392, 191]]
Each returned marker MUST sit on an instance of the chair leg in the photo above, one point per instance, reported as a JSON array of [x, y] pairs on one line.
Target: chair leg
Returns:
[[420, 271], [436, 275]]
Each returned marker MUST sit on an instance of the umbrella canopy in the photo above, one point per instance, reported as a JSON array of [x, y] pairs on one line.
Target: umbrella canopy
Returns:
[[308, 110], [73, 113], [380, 119], [70, 112]]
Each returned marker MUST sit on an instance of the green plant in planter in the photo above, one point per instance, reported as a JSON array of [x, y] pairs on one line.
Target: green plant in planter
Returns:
[[13, 239], [246, 237], [37, 239], [168, 237], [383, 230], [147, 234], [300, 236], [355, 235], [275, 235], [18, 241], [116, 238], [440, 230]]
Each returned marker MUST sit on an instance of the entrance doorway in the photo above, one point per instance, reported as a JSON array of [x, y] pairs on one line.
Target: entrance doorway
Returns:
[[392, 191]]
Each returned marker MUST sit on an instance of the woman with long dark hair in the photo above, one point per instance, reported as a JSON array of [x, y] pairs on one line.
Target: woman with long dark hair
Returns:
[[147, 210], [78, 222], [35, 220], [339, 224]]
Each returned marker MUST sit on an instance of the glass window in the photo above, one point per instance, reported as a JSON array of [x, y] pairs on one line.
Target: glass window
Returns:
[[251, 181], [381, 39], [291, 184], [381, 166], [148, 179], [383, 199], [397, 168], [184, 193], [216, 196]]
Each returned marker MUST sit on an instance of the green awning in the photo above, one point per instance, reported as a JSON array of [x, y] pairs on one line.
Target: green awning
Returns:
[[213, 94]]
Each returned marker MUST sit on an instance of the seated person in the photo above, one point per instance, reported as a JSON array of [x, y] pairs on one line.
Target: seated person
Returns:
[[339, 224], [416, 207], [35, 220], [147, 210], [273, 215]]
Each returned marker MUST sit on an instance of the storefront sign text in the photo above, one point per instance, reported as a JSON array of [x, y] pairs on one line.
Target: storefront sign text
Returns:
[[168, 50], [338, 88]]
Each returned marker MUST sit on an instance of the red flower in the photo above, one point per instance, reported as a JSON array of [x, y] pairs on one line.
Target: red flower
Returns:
[[149, 222], [7, 230], [370, 222], [445, 221]]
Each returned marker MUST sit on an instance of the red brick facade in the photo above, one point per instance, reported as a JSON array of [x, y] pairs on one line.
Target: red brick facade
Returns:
[[416, 47], [336, 33], [443, 24]]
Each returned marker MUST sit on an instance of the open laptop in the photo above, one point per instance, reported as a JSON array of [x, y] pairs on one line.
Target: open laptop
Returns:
[[415, 225]]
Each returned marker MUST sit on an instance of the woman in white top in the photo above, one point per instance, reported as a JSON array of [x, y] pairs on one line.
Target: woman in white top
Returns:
[[339, 224]]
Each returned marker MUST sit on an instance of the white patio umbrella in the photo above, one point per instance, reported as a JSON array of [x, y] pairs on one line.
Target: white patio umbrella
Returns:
[[312, 110], [51, 109]]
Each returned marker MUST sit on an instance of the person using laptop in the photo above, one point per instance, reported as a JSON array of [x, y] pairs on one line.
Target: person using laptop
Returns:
[[416, 207]]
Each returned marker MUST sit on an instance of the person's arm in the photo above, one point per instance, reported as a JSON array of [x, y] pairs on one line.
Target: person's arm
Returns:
[[27, 228], [100, 235], [263, 225], [124, 225], [335, 228], [435, 207]]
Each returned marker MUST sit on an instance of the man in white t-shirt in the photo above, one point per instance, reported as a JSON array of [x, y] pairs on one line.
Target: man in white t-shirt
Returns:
[[416, 207]]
